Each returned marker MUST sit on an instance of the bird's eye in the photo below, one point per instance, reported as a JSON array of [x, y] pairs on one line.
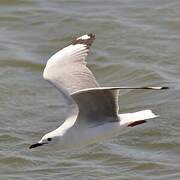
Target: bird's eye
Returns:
[[49, 139]]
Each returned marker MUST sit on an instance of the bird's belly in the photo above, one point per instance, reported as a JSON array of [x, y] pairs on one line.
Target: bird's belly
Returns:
[[81, 136]]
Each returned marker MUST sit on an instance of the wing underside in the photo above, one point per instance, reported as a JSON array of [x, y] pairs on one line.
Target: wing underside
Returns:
[[97, 105], [67, 68]]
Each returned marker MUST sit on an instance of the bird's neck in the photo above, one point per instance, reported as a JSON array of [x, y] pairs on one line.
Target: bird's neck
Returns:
[[68, 123]]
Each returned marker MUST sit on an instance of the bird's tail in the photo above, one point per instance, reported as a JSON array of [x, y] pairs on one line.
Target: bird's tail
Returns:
[[134, 119]]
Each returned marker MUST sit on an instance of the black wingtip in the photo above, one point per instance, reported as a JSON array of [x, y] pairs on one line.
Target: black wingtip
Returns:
[[86, 39], [92, 35], [165, 87]]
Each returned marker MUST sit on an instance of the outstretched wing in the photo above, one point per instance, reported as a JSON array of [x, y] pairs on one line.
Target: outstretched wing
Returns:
[[67, 69], [97, 105]]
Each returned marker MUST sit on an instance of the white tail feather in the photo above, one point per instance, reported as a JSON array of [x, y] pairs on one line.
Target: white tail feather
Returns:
[[137, 116]]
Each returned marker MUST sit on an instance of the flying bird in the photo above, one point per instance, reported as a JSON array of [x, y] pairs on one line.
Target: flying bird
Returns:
[[92, 109]]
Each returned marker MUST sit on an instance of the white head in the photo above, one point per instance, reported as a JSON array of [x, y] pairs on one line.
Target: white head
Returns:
[[49, 138], [58, 135]]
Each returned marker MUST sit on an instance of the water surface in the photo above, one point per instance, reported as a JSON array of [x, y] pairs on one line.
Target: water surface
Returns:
[[138, 43]]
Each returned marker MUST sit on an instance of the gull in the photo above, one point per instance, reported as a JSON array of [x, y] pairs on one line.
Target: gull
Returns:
[[92, 110]]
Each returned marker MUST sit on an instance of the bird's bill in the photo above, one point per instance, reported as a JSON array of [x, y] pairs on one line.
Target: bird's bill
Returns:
[[36, 145]]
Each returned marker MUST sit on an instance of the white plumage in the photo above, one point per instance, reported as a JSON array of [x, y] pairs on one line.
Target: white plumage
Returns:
[[92, 110]]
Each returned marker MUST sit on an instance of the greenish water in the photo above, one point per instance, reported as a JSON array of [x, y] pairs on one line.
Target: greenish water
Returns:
[[138, 43]]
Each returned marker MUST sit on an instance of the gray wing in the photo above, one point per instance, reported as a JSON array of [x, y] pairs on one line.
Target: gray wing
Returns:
[[67, 69], [97, 105]]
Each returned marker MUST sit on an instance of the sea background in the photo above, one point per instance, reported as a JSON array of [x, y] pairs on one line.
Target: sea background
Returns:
[[137, 44]]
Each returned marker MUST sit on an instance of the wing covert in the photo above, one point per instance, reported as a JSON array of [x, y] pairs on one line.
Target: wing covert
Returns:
[[97, 105]]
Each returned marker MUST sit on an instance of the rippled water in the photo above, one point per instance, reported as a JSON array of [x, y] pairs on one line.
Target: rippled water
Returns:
[[138, 43]]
